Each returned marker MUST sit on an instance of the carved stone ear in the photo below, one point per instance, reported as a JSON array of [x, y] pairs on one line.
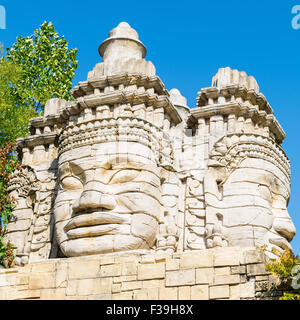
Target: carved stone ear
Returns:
[[30, 199]]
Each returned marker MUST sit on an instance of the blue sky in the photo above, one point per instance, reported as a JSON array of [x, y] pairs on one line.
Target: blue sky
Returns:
[[188, 41]]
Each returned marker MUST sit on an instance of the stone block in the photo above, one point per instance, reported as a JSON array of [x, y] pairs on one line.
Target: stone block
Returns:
[[180, 278], [7, 293], [4, 280], [256, 269], [80, 269], [107, 260], [131, 285], [28, 294], [82, 298], [151, 271], [61, 274], [199, 259], [71, 289], [199, 292], [262, 278], [226, 257], [252, 256], [184, 293], [103, 296], [247, 290], [168, 293], [153, 283], [226, 279], [110, 270], [261, 285], [149, 258], [222, 271], [172, 264], [238, 270], [204, 275], [219, 292], [122, 296], [116, 287], [234, 291], [94, 286], [53, 294], [146, 294], [129, 269], [42, 281], [43, 267]]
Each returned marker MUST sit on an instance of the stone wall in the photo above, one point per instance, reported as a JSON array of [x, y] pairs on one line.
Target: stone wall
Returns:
[[219, 273]]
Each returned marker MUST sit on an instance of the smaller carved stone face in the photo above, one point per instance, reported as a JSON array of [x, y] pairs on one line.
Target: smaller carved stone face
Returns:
[[107, 202], [255, 197]]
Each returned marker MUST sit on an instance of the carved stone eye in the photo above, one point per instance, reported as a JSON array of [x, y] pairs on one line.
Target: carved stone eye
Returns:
[[265, 193], [124, 176], [71, 183]]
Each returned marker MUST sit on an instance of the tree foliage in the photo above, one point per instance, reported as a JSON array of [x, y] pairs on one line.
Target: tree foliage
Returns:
[[14, 117], [8, 164], [35, 69], [48, 66], [283, 267]]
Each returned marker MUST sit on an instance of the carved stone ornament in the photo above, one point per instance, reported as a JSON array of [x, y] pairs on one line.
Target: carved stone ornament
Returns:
[[128, 166]]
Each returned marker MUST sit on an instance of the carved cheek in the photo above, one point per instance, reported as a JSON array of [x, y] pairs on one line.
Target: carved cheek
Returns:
[[145, 227], [67, 195], [138, 202], [62, 211]]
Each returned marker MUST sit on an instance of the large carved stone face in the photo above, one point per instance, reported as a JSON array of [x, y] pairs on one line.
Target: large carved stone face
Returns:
[[108, 199], [255, 197]]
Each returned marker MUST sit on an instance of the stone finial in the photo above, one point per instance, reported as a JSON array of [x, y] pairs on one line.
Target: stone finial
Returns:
[[123, 41], [53, 106], [226, 77], [179, 102], [122, 52]]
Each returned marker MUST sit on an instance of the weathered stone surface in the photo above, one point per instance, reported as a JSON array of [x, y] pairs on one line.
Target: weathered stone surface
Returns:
[[226, 279], [196, 260], [146, 294], [204, 275], [87, 269], [226, 257], [151, 271], [247, 290], [180, 277], [174, 200], [168, 293], [44, 280], [219, 292], [150, 183], [205, 283], [256, 269], [131, 285], [200, 292], [184, 293]]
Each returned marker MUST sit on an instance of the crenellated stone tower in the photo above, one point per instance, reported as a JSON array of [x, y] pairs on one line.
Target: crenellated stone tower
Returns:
[[128, 166]]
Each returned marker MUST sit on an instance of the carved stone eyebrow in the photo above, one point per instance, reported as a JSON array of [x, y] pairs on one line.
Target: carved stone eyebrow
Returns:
[[65, 170]]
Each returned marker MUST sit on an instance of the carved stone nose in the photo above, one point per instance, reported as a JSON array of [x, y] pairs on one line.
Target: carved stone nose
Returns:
[[94, 200], [285, 227]]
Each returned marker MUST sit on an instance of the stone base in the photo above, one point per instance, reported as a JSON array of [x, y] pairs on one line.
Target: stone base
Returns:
[[219, 273]]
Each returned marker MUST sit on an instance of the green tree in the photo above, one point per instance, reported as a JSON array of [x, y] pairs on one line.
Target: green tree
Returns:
[[283, 266], [14, 117], [48, 67], [36, 68]]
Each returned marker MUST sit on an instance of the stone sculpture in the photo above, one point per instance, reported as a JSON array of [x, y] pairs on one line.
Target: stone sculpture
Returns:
[[129, 166]]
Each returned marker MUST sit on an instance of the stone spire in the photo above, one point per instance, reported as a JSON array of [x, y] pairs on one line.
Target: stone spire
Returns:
[[122, 52], [226, 77], [123, 42], [180, 103]]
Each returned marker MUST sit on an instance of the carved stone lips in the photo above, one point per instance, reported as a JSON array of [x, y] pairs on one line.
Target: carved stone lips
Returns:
[[92, 224], [281, 243]]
